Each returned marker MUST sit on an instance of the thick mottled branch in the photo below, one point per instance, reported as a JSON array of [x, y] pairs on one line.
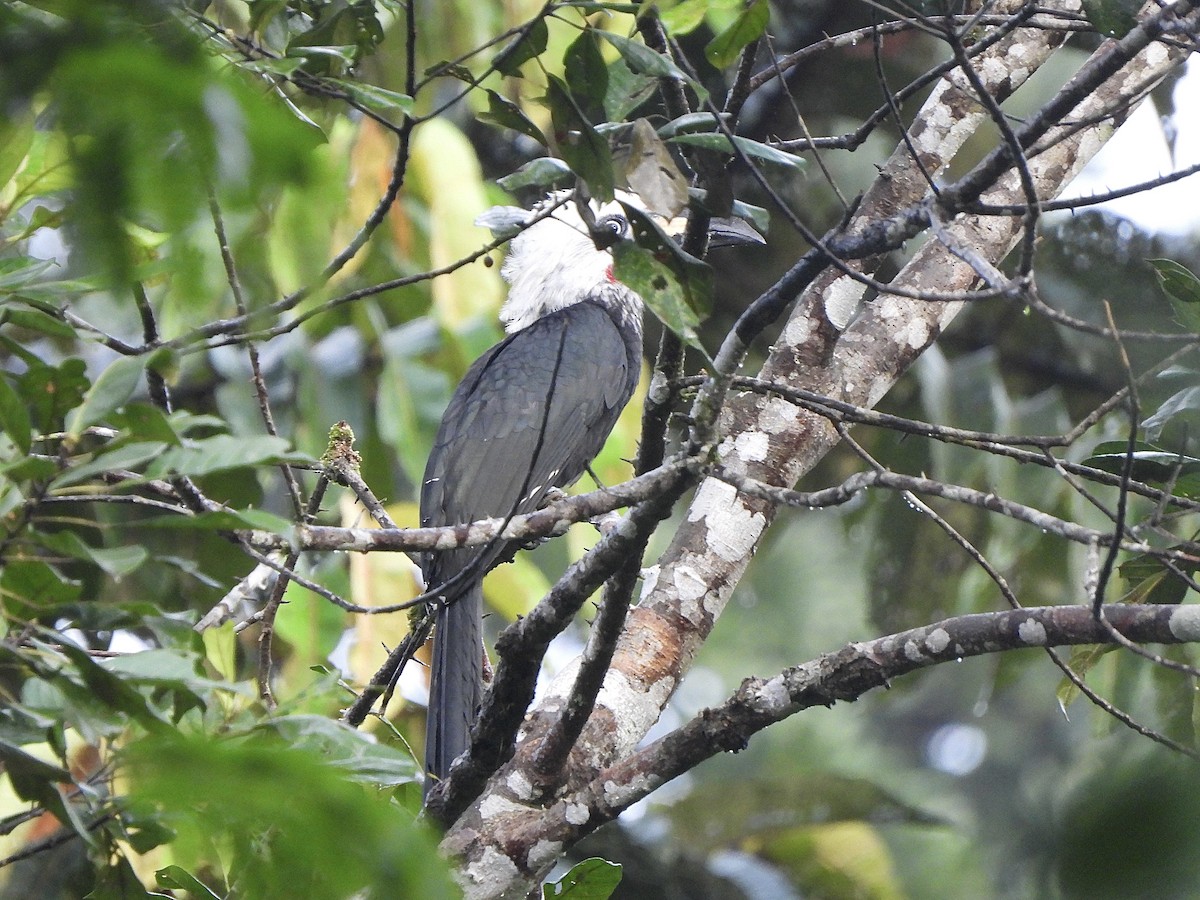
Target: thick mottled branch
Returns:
[[846, 675]]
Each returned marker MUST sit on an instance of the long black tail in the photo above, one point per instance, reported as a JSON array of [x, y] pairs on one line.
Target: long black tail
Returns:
[[454, 682]]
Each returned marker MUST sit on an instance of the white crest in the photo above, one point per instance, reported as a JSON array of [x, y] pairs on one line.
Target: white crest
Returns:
[[554, 263]]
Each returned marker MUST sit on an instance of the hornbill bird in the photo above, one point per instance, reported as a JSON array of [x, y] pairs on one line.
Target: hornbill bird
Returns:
[[527, 418]]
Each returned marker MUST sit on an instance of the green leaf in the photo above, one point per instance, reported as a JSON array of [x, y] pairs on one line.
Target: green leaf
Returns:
[[506, 114], [660, 288], [1150, 581], [36, 320], [16, 139], [20, 271], [1149, 462], [29, 776], [644, 61], [684, 18], [1182, 288], [585, 70], [112, 690], [375, 98], [722, 51], [546, 172], [627, 90], [584, 150], [114, 561], [528, 45], [14, 416], [360, 757], [224, 520], [1184, 403], [1112, 18], [222, 452], [38, 586], [179, 879], [111, 389], [592, 879], [721, 144], [129, 456]]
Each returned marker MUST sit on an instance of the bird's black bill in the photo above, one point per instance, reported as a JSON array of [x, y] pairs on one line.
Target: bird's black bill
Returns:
[[732, 233]]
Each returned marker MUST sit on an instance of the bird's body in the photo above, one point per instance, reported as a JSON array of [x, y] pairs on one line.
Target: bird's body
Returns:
[[528, 416]]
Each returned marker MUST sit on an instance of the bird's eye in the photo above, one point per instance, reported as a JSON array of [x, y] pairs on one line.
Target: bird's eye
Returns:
[[611, 229]]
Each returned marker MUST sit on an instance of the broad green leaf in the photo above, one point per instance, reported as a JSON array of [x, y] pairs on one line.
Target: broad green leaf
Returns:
[[528, 45], [14, 416], [1112, 18], [721, 144], [362, 758], [180, 879], [38, 587], [749, 26], [644, 61], [627, 90], [585, 151], [36, 320], [16, 139], [1182, 288], [1149, 463], [333, 842], [224, 520], [659, 287], [28, 775], [17, 272], [585, 70], [506, 114], [114, 561], [112, 690], [144, 422], [545, 172], [129, 456], [591, 879], [375, 98], [684, 18], [703, 122], [221, 452], [110, 390]]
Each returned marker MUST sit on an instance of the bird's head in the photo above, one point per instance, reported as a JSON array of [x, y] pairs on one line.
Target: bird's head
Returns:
[[560, 259]]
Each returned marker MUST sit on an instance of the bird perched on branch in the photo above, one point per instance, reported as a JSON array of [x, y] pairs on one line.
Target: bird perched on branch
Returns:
[[528, 417]]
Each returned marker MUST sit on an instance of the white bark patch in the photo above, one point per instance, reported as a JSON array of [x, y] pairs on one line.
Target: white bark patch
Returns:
[[938, 640], [775, 694], [1185, 623], [912, 650], [691, 589], [733, 530], [520, 786], [576, 813], [841, 301], [544, 853], [633, 711], [777, 416], [650, 580], [560, 685], [797, 331], [495, 805], [752, 446], [1032, 632], [492, 868]]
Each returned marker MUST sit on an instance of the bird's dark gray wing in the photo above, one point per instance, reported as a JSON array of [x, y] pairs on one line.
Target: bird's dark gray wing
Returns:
[[530, 414]]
